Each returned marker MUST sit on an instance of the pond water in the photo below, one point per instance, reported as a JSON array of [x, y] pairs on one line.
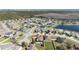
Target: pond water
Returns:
[[69, 27]]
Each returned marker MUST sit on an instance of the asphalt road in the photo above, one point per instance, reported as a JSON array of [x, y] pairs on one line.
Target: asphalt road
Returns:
[[26, 35]]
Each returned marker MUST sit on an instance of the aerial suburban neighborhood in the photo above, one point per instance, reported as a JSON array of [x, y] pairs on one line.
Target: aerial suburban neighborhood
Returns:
[[39, 29]]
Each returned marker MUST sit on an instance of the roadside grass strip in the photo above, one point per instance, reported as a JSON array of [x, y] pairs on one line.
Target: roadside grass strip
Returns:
[[5, 41]]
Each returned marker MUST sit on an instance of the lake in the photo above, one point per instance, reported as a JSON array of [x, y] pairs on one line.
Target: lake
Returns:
[[69, 27]]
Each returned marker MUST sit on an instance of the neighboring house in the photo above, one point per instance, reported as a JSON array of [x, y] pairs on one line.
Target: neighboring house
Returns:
[[8, 34]]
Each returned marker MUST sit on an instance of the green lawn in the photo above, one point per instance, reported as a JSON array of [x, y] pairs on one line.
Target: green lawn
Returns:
[[49, 27], [48, 46]]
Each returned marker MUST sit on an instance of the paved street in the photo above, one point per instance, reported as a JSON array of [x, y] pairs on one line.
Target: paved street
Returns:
[[26, 35]]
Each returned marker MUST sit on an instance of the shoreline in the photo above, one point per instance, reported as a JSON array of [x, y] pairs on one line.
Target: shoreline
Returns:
[[66, 24]]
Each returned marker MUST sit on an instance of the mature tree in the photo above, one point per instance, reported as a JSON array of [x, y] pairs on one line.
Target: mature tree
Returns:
[[24, 45]]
